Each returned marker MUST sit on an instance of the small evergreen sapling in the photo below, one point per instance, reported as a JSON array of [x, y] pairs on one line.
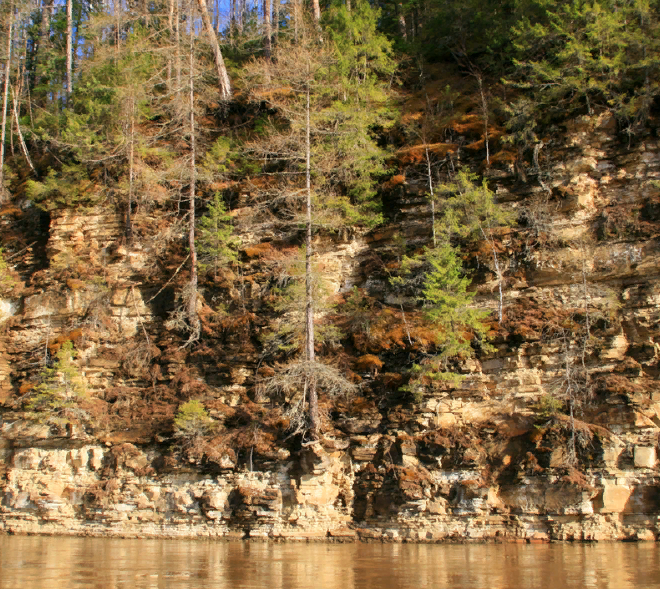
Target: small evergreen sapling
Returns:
[[192, 420], [447, 302], [215, 245], [7, 281], [61, 386], [469, 211]]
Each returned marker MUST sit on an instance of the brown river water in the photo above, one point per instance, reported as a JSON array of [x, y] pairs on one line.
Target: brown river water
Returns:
[[95, 563]]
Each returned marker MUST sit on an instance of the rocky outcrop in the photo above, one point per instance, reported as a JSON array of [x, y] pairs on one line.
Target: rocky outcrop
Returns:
[[481, 460], [96, 490]]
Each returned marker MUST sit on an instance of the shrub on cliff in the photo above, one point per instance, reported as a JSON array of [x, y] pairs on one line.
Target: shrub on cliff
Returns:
[[192, 420], [7, 281]]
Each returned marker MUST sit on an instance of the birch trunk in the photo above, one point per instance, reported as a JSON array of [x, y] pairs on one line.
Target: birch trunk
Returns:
[[484, 112], [20, 135], [430, 174], [193, 318], [5, 100], [69, 46], [223, 77]]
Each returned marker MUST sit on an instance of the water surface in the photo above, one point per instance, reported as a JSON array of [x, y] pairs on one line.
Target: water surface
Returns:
[[95, 563]]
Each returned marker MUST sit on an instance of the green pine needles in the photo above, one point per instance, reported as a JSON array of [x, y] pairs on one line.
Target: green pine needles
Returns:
[[580, 54], [7, 281], [192, 420], [216, 247], [61, 387]]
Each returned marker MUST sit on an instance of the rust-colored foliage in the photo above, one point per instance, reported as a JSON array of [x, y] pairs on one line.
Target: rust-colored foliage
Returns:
[[416, 154], [369, 362], [73, 336], [258, 250]]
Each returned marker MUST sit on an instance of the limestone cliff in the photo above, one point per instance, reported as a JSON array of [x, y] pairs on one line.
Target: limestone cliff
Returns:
[[483, 459]]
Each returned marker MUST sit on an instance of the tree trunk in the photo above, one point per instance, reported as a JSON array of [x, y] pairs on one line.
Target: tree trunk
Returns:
[[277, 20], [401, 18], [232, 19], [5, 100], [21, 141], [268, 7], [129, 207], [317, 10], [177, 43], [193, 318], [484, 112], [240, 15], [69, 46], [44, 40], [117, 7], [295, 20], [216, 16], [428, 169], [170, 28], [223, 77], [312, 395]]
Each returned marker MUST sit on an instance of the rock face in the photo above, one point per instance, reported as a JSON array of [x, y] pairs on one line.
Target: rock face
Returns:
[[482, 460]]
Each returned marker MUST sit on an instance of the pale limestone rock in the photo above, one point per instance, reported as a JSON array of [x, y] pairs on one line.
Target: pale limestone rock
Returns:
[[78, 459], [615, 498], [27, 459], [152, 492], [96, 458], [445, 420], [611, 455], [437, 507], [618, 348], [644, 456], [216, 500], [7, 309]]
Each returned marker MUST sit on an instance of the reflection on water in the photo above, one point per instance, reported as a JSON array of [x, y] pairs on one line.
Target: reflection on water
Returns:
[[93, 563]]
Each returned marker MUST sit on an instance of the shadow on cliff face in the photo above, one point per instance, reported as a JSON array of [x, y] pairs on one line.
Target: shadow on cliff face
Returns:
[[25, 232]]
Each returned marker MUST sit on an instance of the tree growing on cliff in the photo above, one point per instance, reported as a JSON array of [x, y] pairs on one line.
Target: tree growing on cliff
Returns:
[[580, 54], [215, 245], [60, 387], [436, 279], [321, 94], [469, 211], [192, 421]]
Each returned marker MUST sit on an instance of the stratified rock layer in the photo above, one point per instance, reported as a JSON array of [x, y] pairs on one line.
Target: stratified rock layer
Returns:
[[473, 462]]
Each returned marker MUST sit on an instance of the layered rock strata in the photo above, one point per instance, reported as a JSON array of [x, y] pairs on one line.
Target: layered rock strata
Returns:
[[478, 461]]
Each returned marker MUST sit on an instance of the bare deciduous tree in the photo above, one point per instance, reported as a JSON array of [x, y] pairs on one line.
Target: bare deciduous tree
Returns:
[[5, 99], [223, 76]]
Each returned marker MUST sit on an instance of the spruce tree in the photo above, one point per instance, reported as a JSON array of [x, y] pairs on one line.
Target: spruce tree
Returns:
[[469, 211], [215, 245]]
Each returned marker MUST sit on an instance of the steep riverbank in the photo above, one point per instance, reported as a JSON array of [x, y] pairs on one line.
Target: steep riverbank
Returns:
[[484, 459]]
